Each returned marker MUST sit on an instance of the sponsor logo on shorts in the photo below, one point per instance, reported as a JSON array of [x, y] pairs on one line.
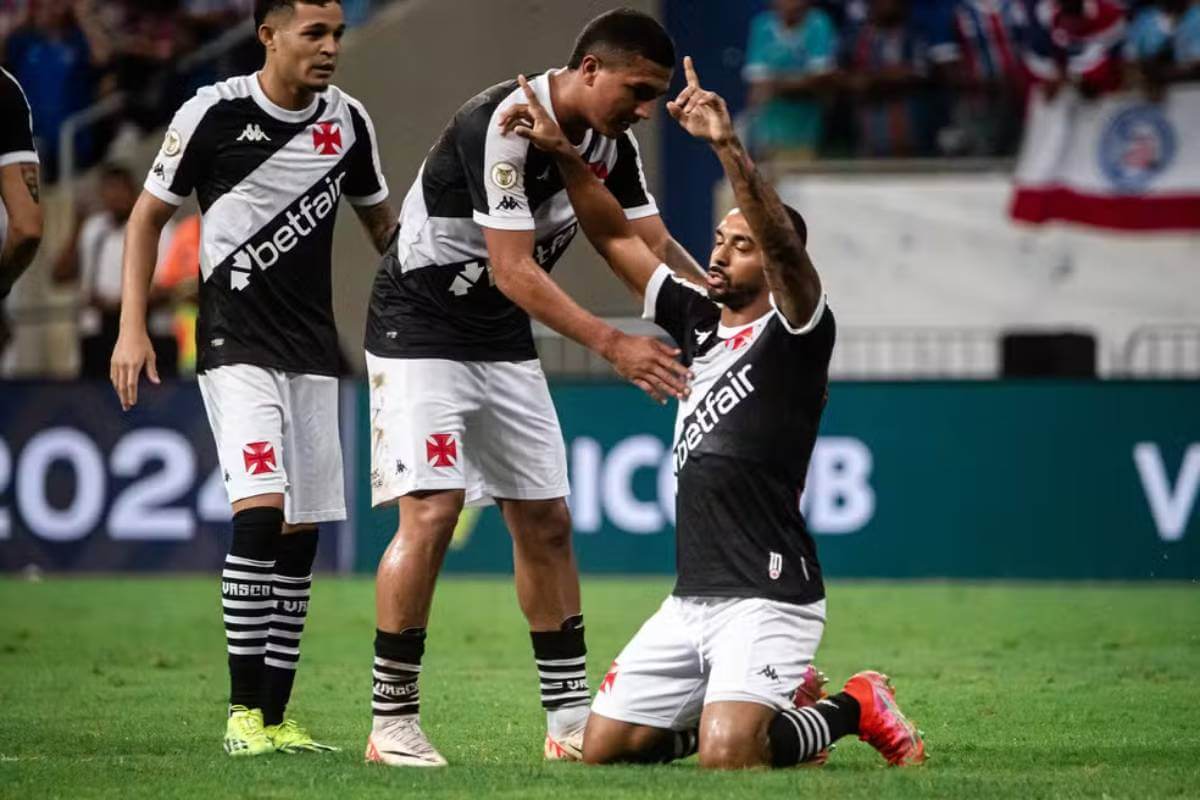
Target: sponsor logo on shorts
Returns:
[[775, 566], [441, 450], [259, 458]]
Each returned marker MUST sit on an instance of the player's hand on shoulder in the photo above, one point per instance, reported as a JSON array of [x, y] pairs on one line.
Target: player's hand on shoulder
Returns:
[[650, 365], [700, 112], [132, 352], [530, 120]]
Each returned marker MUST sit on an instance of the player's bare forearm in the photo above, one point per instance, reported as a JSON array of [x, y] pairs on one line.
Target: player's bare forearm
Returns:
[[523, 281], [670, 252], [19, 192], [142, 235], [605, 225], [789, 271], [379, 221]]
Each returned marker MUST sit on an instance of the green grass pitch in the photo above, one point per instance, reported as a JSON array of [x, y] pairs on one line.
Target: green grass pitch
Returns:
[[115, 687]]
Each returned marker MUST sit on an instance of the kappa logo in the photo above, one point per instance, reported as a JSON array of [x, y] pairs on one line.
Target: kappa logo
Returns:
[[253, 133], [159, 171], [775, 566], [769, 672], [259, 458], [702, 337], [291, 231], [470, 276], [509, 203], [327, 138], [441, 450]]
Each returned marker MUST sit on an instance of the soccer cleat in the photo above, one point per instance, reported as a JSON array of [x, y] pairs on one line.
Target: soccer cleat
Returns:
[[400, 742], [881, 724], [810, 690], [568, 748], [290, 737], [244, 733]]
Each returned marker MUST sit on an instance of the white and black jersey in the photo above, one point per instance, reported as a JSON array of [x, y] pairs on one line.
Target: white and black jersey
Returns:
[[16, 134], [16, 123], [268, 180], [434, 295], [743, 439]]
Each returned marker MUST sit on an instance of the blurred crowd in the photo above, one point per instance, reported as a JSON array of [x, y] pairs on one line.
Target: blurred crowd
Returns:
[[920, 78], [67, 54]]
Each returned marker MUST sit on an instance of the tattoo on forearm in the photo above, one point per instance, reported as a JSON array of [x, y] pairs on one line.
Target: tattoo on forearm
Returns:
[[29, 172], [762, 207]]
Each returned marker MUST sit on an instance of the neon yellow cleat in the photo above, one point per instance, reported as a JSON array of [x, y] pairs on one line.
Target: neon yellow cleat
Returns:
[[244, 733], [290, 737]]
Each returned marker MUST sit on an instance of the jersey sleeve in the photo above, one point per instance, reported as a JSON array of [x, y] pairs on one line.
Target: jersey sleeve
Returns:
[[494, 164], [365, 184], [627, 181], [16, 132], [186, 152], [809, 326], [675, 305]]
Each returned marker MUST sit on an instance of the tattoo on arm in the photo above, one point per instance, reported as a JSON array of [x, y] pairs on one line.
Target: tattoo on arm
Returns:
[[29, 172], [789, 272], [380, 223]]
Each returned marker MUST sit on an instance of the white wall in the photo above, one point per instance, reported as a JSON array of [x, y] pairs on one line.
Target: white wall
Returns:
[[939, 250]]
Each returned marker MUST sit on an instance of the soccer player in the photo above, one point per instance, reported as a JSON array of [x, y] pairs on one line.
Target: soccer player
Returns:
[[460, 409], [728, 651], [20, 213], [269, 155]]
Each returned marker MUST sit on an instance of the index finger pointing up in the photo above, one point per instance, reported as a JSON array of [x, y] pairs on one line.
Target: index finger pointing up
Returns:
[[689, 70], [529, 95]]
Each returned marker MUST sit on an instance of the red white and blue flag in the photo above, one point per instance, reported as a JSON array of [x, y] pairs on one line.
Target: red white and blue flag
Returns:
[[1119, 162]]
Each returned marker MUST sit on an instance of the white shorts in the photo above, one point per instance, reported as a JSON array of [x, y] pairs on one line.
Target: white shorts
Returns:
[[700, 650], [487, 427], [277, 433]]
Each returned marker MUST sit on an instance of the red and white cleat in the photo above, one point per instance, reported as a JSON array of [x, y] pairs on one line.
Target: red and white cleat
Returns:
[[881, 722], [810, 690], [568, 748]]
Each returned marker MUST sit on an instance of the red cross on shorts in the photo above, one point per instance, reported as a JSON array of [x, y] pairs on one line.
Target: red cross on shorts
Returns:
[[441, 450], [599, 169], [609, 679], [327, 138], [259, 458], [740, 339]]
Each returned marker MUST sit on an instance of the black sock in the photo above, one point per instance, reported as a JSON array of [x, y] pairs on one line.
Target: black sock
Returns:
[[246, 600], [561, 658], [291, 587], [798, 734], [397, 670]]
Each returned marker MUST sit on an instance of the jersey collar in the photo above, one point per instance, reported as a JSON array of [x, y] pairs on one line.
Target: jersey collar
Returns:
[[279, 112], [724, 332]]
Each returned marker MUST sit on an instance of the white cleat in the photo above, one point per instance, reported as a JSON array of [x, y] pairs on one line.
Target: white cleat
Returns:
[[568, 748], [400, 742]]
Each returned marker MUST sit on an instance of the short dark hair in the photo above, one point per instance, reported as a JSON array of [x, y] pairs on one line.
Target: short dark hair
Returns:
[[264, 7], [798, 223], [625, 30]]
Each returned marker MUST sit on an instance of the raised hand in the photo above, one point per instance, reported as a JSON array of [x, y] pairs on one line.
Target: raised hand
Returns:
[[700, 112], [530, 120]]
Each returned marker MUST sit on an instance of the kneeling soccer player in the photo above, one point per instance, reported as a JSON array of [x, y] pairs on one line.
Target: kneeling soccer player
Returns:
[[725, 665]]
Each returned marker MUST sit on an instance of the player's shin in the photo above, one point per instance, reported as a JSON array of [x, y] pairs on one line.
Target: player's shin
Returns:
[[561, 658], [799, 734], [292, 585], [246, 600]]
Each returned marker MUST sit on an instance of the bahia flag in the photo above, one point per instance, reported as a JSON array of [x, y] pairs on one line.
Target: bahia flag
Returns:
[[1120, 161]]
